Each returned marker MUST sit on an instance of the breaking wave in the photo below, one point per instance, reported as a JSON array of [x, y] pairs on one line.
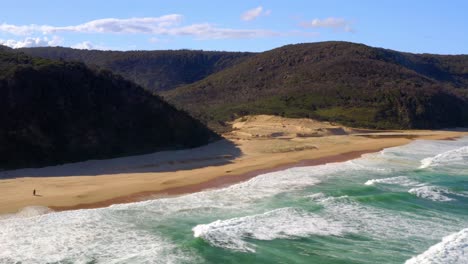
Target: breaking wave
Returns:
[[157, 231], [82, 236], [433, 193], [452, 249], [28, 211], [379, 222], [279, 223], [449, 157], [399, 180]]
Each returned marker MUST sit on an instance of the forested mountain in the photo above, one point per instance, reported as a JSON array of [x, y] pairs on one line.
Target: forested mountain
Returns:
[[55, 112], [154, 70], [343, 82]]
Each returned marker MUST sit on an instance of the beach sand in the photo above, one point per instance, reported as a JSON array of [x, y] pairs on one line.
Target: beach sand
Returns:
[[259, 144]]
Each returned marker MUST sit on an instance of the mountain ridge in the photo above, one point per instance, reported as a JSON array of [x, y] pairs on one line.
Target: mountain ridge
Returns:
[[345, 82], [350, 83], [157, 70]]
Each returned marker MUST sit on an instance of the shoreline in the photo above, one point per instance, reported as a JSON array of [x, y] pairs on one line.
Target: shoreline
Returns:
[[215, 183], [242, 155]]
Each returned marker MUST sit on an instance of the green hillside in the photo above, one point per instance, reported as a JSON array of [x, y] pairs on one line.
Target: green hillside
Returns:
[[343, 82], [54, 112], [154, 70]]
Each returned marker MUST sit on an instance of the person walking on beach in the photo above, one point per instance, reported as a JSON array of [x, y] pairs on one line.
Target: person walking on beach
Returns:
[[34, 192]]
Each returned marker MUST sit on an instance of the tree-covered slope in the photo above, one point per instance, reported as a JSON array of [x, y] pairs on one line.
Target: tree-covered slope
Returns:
[[154, 70], [337, 81], [54, 112]]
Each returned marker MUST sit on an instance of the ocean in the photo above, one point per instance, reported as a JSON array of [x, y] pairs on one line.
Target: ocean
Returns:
[[407, 204]]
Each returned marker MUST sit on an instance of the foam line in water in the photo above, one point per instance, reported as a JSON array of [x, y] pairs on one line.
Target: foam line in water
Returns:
[[129, 233], [82, 236], [317, 196], [28, 211], [433, 193], [382, 223], [107, 233], [451, 156], [238, 195], [452, 249], [279, 223], [399, 180], [426, 163], [409, 156]]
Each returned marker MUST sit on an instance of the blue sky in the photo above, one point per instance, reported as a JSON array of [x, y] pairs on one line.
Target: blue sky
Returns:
[[414, 26]]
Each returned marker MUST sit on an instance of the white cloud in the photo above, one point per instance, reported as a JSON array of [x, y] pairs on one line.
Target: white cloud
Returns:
[[32, 42], [19, 30], [86, 45], [164, 25], [330, 22], [208, 31], [253, 13], [146, 25]]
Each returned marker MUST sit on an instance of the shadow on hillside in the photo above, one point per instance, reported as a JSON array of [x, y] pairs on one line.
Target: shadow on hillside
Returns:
[[215, 154]]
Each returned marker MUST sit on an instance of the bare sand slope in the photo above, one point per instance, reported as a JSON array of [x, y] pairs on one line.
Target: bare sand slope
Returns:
[[279, 127], [257, 145]]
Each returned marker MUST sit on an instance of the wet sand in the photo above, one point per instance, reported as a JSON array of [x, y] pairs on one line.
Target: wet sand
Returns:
[[215, 183], [244, 154]]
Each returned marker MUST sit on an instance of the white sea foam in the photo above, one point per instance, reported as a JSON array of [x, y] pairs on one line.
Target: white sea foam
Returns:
[[127, 233], [382, 223], [409, 156], [433, 193], [317, 196], [28, 211], [83, 236], [452, 249], [279, 223], [109, 234], [399, 180], [448, 157], [426, 163], [238, 195]]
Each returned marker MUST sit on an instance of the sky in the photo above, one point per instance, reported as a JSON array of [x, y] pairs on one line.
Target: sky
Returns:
[[417, 26]]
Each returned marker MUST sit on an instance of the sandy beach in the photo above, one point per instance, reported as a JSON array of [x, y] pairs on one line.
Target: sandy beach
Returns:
[[257, 145]]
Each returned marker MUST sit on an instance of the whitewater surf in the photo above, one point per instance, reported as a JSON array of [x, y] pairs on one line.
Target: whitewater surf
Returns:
[[403, 204]]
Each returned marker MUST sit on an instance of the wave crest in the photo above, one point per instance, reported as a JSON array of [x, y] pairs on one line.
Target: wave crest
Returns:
[[399, 180], [451, 156], [279, 223], [452, 249], [433, 193], [28, 211]]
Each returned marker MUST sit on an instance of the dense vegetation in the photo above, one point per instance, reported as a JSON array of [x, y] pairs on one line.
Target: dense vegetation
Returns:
[[54, 112], [343, 82], [153, 70]]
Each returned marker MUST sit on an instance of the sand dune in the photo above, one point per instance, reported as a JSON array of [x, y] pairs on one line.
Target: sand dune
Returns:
[[280, 127]]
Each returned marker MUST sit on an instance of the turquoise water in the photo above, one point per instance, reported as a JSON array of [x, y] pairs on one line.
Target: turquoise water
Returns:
[[404, 204]]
